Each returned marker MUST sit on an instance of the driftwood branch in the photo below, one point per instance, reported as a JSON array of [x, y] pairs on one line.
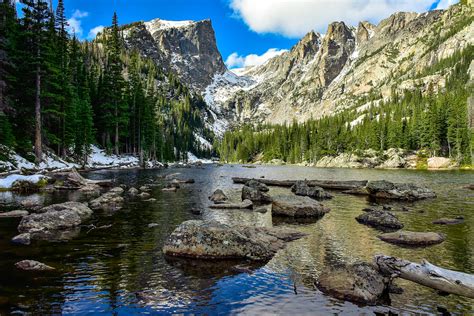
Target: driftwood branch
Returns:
[[427, 274], [325, 184], [76, 178]]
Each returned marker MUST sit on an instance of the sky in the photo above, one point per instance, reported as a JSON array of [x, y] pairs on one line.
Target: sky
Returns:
[[248, 32]]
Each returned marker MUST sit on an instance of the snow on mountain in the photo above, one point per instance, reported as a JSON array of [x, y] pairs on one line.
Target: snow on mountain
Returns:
[[159, 24]]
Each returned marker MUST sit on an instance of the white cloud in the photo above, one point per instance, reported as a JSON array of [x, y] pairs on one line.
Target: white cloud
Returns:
[[443, 4], [236, 61], [294, 18], [75, 23], [94, 31]]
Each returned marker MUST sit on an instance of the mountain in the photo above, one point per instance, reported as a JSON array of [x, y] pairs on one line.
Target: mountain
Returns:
[[187, 48], [321, 75], [324, 74]]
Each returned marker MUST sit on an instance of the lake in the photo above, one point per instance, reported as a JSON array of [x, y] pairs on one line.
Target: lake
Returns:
[[122, 270]]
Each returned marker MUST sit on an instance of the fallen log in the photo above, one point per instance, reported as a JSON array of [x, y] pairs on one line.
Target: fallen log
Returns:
[[246, 204], [427, 274], [325, 184], [75, 178]]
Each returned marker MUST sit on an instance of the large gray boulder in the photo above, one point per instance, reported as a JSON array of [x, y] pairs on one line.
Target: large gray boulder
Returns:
[[302, 188], [398, 191], [380, 219], [55, 217], [298, 208], [360, 283], [213, 240]]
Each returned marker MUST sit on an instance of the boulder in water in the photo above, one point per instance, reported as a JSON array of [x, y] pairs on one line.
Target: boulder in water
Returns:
[[54, 218], [218, 197], [380, 219], [301, 207], [257, 185], [359, 283], [110, 201], [302, 188], [449, 221], [22, 239], [398, 191], [413, 238], [214, 240], [31, 265], [255, 195]]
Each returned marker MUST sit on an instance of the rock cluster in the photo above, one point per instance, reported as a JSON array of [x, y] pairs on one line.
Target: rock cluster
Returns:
[[110, 201], [53, 222]]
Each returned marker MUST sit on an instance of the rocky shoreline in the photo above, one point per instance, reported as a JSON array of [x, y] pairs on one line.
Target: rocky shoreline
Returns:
[[393, 158]]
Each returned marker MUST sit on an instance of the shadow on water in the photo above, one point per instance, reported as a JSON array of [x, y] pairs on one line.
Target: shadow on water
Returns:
[[121, 269]]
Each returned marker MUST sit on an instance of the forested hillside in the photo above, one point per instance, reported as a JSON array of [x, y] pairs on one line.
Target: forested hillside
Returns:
[[62, 95], [435, 124]]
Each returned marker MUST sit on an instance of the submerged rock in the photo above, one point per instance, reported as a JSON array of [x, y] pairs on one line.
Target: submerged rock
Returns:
[[31, 265], [303, 189], [398, 191], [413, 238], [449, 221], [301, 207], [22, 239], [171, 189], [196, 211], [133, 191], [360, 283], [55, 218], [379, 219], [213, 240], [218, 197], [16, 213]]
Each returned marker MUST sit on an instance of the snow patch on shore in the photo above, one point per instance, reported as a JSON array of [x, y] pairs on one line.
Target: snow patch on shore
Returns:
[[7, 183], [99, 158]]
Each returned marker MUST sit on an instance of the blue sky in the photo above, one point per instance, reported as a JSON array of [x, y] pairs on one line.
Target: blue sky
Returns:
[[249, 31]]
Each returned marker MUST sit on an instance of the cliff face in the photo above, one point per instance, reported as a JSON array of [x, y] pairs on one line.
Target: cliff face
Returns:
[[187, 48], [321, 75]]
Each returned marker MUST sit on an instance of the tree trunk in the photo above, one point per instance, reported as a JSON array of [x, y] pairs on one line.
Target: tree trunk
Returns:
[[429, 275], [116, 132], [38, 140], [325, 184]]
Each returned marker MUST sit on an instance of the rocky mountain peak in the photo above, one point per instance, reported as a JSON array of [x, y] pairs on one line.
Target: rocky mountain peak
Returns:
[[308, 46], [187, 48], [365, 31], [337, 46]]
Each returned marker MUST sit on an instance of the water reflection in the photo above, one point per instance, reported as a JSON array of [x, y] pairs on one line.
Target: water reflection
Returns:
[[122, 269]]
